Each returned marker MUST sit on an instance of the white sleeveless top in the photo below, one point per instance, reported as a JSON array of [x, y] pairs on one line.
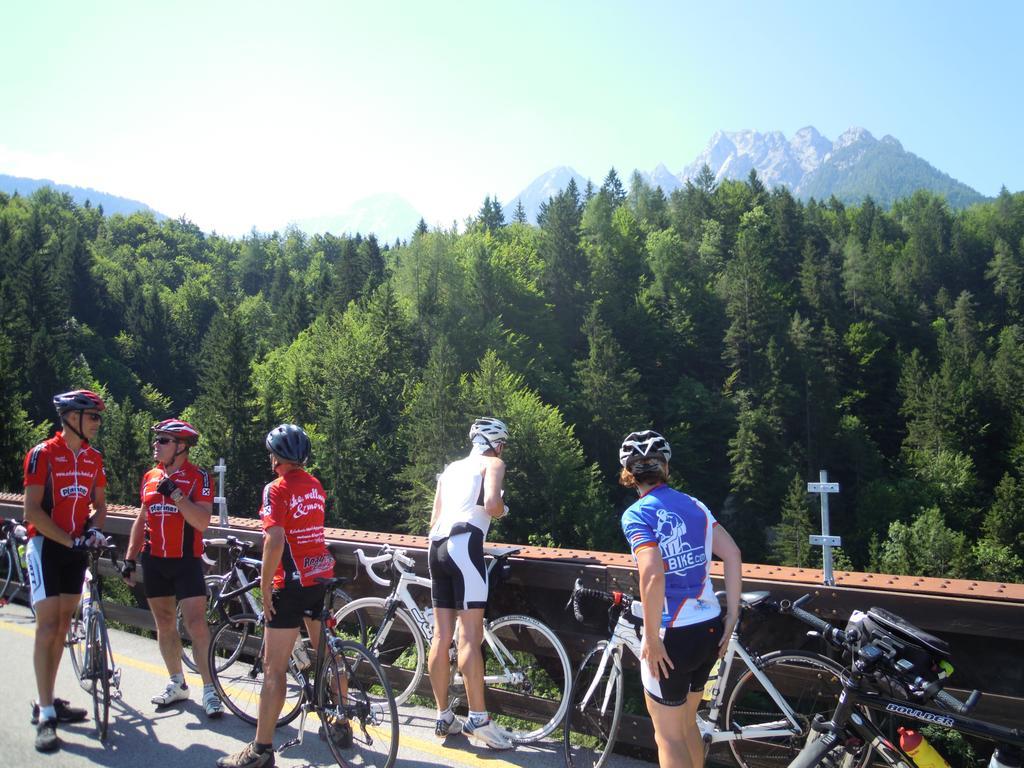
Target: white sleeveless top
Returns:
[[462, 497]]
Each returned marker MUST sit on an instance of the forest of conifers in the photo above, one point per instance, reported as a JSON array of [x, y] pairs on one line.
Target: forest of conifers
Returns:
[[765, 337]]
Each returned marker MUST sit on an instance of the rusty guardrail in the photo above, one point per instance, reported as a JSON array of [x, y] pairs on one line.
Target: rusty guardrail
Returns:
[[982, 621]]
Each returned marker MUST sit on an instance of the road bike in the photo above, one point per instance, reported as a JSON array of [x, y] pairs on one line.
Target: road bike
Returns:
[[343, 686], [242, 571], [761, 706], [526, 667], [14, 577], [89, 644], [896, 673]]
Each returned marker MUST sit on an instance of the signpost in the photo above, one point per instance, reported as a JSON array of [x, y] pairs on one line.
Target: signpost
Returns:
[[823, 488], [220, 499]]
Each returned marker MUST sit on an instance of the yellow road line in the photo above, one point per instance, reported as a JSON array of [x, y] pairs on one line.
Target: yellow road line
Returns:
[[434, 748]]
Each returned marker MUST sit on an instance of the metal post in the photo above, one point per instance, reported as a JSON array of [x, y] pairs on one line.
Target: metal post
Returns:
[[220, 499], [823, 488]]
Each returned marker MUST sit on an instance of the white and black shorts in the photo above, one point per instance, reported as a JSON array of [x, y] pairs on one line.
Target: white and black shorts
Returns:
[[458, 577], [693, 650], [54, 569]]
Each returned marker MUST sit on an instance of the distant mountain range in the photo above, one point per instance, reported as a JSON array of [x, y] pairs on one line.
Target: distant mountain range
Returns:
[[111, 203], [853, 166], [387, 216]]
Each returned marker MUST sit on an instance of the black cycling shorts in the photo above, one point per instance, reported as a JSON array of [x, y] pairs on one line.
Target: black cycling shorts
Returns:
[[54, 569], [294, 602], [458, 576], [693, 651], [179, 577]]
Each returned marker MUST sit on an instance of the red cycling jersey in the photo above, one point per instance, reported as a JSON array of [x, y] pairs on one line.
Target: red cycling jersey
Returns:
[[296, 503], [168, 534], [68, 481]]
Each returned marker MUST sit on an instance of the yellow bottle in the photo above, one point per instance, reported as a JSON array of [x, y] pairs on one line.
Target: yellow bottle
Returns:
[[917, 746], [709, 686]]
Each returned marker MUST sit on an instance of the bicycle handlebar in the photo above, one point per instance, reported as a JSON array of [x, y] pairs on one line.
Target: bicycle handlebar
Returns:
[[833, 635], [396, 556], [952, 703], [614, 598]]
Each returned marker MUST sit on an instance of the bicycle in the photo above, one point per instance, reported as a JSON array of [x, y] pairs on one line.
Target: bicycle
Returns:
[[13, 539], [343, 684], [897, 671], [764, 715], [522, 656], [242, 571], [89, 644]]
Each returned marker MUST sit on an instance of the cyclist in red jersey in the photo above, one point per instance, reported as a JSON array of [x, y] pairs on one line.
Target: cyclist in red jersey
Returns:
[[295, 556], [64, 480], [177, 501]]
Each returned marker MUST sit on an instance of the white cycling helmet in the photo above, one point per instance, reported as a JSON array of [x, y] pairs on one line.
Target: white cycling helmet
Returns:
[[486, 432], [644, 446]]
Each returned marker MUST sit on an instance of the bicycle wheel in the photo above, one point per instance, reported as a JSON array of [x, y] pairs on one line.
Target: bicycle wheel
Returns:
[[526, 675], [99, 672], [75, 643], [399, 646], [352, 686], [236, 664], [214, 616], [595, 711], [810, 685], [6, 568]]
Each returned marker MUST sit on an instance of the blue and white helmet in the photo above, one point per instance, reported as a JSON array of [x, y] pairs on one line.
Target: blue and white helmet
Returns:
[[647, 446], [487, 432]]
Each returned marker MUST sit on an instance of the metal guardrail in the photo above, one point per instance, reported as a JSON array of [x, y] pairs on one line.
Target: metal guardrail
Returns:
[[982, 621]]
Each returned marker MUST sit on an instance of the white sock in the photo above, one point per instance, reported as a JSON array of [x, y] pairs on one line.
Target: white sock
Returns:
[[178, 678], [47, 713], [478, 718], [447, 715]]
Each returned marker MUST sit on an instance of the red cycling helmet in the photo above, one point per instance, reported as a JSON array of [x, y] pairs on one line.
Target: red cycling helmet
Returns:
[[181, 430], [78, 400]]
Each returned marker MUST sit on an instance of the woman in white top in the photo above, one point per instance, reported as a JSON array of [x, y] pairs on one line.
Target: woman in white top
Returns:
[[468, 496]]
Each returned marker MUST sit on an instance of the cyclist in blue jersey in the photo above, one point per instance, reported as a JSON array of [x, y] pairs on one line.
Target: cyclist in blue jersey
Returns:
[[672, 537]]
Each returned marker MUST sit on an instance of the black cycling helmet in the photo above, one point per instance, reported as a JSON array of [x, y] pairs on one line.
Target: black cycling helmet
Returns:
[[289, 442], [78, 400]]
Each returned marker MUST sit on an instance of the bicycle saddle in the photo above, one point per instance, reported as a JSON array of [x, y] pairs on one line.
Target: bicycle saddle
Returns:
[[907, 631], [747, 599], [502, 551]]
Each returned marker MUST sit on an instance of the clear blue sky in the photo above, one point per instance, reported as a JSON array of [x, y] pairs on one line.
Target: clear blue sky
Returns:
[[242, 114]]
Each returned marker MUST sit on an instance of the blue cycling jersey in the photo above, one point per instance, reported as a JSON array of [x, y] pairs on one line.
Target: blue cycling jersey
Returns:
[[681, 527]]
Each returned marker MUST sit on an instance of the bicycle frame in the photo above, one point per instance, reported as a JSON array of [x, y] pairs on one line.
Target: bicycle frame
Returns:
[[624, 635], [853, 700], [400, 595]]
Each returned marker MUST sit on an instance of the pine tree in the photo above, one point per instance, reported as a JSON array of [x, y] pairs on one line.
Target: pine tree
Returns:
[[790, 544], [519, 215], [225, 411], [433, 427], [612, 186]]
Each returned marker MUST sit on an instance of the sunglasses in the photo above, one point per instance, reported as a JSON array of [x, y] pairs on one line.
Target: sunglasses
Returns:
[[163, 440], [92, 416]]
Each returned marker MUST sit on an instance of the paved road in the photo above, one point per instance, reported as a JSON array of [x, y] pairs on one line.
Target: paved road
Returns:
[[182, 737]]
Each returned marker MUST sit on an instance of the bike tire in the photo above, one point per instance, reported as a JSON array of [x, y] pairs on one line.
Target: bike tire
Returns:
[[352, 686], [215, 614], [6, 568], [541, 671], [400, 649], [589, 730], [810, 684], [100, 672], [236, 666], [75, 641]]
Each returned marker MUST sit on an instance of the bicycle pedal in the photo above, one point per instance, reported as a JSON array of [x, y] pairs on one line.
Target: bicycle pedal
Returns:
[[289, 744]]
